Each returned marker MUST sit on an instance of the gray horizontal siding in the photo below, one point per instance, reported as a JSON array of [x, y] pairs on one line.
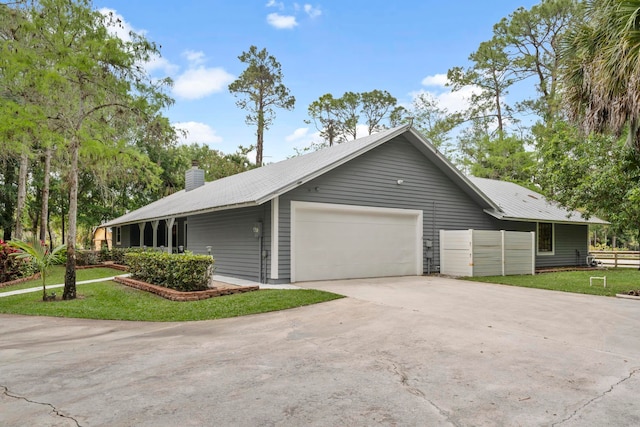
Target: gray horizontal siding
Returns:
[[371, 180], [570, 239], [230, 235]]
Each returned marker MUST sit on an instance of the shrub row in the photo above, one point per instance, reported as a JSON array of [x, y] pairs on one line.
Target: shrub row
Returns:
[[182, 272], [12, 268], [88, 258]]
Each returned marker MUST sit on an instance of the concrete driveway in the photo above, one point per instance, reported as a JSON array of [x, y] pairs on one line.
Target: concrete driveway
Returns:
[[400, 351]]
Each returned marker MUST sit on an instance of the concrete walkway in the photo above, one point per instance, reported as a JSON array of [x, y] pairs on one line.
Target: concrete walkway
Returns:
[[39, 288], [225, 279], [243, 282]]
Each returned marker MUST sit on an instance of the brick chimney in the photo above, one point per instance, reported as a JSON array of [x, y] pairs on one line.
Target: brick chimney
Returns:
[[194, 177]]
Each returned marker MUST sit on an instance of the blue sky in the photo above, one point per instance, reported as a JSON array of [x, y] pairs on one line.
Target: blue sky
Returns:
[[323, 47]]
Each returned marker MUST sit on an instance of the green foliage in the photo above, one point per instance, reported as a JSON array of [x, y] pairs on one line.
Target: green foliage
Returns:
[[109, 300], [598, 174], [433, 121], [531, 41], [337, 119], [260, 90], [40, 257], [501, 158], [117, 255], [600, 57], [181, 272], [87, 258], [11, 267]]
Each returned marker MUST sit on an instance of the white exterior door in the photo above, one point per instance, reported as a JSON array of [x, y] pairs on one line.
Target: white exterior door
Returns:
[[330, 241]]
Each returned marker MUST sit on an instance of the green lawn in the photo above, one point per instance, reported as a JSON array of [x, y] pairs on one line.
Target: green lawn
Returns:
[[110, 300], [56, 277], [619, 281]]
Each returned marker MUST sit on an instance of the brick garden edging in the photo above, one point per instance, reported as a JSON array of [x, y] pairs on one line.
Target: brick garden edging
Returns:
[[173, 295], [17, 281]]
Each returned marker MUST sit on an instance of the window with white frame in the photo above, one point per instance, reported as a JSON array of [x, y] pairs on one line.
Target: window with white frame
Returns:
[[118, 231], [546, 238]]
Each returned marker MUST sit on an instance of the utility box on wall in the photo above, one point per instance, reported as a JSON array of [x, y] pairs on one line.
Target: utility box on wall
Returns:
[[487, 252]]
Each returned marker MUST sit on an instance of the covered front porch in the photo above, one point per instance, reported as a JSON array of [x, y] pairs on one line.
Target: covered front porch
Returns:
[[168, 234]]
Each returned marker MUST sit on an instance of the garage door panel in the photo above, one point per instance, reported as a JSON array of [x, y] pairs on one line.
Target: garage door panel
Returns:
[[338, 241]]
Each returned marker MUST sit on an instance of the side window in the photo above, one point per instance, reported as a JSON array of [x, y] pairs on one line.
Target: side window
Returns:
[[118, 231], [545, 238]]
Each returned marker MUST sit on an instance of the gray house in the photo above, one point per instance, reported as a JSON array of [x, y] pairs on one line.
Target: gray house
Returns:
[[365, 208]]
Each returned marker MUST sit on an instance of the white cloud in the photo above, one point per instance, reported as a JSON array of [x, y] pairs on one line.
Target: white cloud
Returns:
[[118, 26], [313, 12], [122, 29], [435, 80], [297, 134], [160, 63], [274, 3], [281, 22], [194, 58], [197, 132], [453, 101], [199, 82]]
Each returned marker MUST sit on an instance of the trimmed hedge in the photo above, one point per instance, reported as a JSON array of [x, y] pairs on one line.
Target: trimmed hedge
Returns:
[[87, 258], [182, 272]]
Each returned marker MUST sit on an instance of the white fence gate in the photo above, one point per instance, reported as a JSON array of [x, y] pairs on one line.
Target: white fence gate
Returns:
[[487, 252]]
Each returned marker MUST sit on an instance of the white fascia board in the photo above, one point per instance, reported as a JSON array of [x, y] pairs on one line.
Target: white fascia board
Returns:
[[183, 214], [568, 221]]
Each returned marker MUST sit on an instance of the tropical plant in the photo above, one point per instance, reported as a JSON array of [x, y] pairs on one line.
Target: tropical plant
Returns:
[[36, 252], [601, 69]]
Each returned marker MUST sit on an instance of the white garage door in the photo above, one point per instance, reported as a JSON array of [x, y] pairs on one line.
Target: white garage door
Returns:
[[330, 241]]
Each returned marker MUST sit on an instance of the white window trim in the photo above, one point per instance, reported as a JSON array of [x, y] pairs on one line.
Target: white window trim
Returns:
[[553, 239], [118, 235]]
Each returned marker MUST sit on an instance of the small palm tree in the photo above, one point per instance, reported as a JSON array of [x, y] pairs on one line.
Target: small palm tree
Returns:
[[40, 257]]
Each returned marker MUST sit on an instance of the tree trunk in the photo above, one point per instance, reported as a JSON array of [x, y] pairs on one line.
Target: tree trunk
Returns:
[[51, 245], [22, 193], [44, 216], [7, 200], [70, 274], [260, 134]]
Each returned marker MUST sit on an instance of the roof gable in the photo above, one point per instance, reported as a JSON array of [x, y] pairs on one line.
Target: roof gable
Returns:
[[262, 184]]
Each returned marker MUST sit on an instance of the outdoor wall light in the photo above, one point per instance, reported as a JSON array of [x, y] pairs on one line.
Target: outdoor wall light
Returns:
[[400, 181]]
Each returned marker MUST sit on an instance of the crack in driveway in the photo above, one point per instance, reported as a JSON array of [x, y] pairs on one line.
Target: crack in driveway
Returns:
[[600, 396], [7, 393], [404, 380]]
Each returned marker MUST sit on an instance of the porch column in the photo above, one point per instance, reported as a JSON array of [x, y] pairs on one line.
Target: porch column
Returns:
[[275, 236], [169, 222], [154, 224], [141, 226]]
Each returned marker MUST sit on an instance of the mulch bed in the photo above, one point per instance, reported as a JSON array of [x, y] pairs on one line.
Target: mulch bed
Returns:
[[106, 264], [173, 295]]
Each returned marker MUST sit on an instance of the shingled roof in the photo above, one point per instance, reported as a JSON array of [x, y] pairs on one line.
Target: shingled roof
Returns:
[[503, 200], [262, 184], [518, 203]]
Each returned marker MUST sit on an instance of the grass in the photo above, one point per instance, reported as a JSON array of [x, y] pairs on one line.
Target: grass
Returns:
[[619, 281], [55, 276], [110, 300]]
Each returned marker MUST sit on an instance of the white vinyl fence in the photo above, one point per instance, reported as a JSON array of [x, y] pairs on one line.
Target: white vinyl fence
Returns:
[[487, 252]]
